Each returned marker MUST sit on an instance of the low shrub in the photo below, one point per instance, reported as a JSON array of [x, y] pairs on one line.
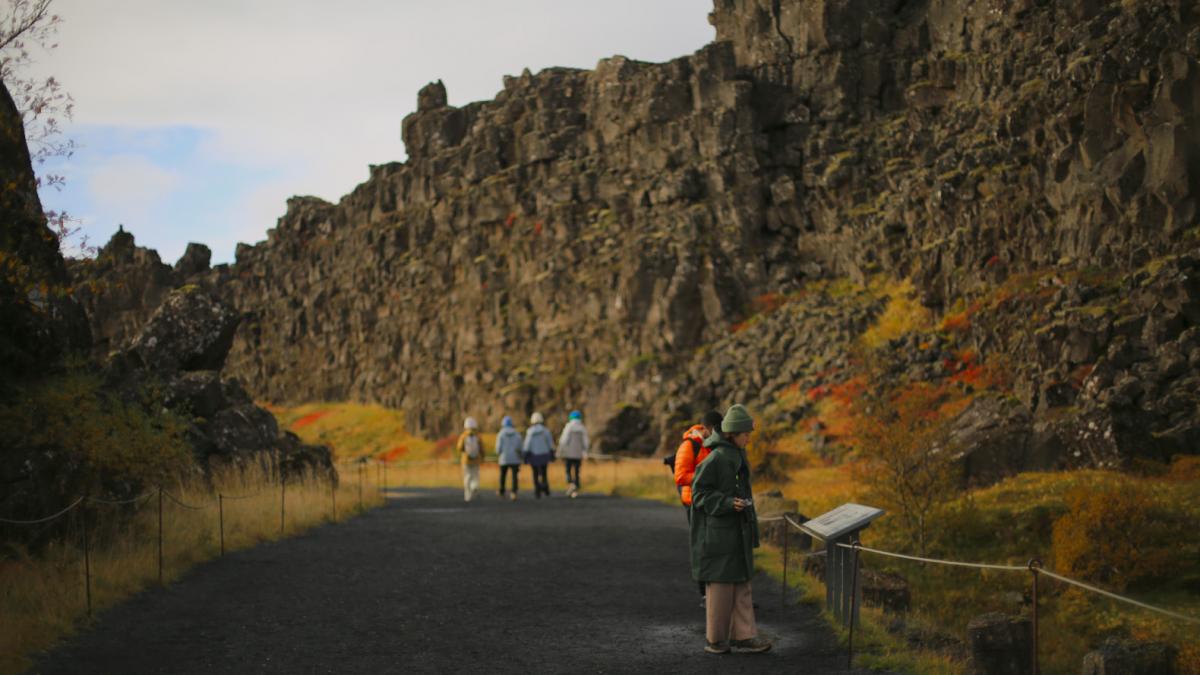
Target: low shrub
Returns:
[[1113, 536]]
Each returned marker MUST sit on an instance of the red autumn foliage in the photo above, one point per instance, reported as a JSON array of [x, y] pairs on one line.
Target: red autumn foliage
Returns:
[[768, 302], [511, 219], [309, 419], [537, 229], [956, 323], [444, 444], [395, 453]]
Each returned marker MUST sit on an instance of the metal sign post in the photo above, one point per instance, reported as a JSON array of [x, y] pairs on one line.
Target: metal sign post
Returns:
[[842, 526]]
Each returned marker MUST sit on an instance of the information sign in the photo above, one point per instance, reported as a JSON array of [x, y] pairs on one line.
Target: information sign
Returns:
[[842, 520]]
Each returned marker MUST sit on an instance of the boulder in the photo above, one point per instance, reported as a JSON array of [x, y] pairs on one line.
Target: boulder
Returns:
[[1000, 644], [1128, 657], [629, 432], [189, 331], [992, 437]]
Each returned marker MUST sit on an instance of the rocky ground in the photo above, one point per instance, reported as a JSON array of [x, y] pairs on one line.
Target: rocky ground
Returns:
[[430, 584]]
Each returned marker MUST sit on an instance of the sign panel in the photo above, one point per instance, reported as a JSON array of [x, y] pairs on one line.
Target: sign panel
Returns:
[[842, 520]]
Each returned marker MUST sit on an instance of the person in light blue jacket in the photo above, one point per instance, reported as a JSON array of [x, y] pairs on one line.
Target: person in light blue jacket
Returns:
[[510, 453], [539, 452]]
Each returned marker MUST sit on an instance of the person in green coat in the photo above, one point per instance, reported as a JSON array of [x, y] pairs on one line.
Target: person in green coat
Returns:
[[724, 534]]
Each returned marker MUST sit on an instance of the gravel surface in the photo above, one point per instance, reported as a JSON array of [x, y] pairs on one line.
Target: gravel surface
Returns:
[[428, 583]]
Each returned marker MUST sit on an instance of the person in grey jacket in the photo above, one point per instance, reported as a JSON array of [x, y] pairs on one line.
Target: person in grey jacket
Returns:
[[539, 452], [573, 447], [510, 453]]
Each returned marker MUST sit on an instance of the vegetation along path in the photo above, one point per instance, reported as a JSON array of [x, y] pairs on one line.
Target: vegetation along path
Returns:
[[429, 583]]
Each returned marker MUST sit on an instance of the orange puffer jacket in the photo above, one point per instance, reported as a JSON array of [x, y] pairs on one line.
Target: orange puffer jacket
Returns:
[[689, 455]]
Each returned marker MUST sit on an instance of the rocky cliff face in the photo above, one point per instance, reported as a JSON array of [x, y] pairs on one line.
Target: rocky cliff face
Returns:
[[589, 238], [38, 322]]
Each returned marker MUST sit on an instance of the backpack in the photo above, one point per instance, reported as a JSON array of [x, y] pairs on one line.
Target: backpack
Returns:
[[472, 446]]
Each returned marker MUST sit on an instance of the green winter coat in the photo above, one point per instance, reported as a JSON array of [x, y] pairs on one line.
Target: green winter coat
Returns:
[[723, 540]]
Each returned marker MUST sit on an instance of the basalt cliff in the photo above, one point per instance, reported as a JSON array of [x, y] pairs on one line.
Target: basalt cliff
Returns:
[[645, 241]]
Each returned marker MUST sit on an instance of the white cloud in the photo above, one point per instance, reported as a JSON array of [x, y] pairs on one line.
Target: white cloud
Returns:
[[132, 183], [316, 90]]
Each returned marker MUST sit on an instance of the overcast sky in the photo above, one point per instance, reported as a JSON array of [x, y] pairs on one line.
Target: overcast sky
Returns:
[[196, 120]]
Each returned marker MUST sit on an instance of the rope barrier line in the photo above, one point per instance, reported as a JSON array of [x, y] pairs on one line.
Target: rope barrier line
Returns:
[[1026, 568], [183, 504], [47, 519], [936, 561], [117, 502], [1114, 596]]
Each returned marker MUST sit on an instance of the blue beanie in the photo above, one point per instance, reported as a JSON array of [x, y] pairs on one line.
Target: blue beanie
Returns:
[[575, 414], [506, 422]]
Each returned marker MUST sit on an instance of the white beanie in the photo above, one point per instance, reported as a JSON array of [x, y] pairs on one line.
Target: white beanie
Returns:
[[470, 423], [537, 418]]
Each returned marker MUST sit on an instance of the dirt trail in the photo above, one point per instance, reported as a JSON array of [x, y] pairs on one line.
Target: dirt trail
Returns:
[[430, 584]]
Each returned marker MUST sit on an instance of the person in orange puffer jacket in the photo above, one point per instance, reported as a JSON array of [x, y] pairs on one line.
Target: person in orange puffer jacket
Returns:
[[691, 452], [689, 455]]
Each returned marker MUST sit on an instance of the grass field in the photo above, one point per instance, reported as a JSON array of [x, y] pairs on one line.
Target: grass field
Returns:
[[43, 595]]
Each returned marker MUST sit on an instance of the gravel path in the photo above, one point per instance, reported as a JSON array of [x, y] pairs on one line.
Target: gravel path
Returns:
[[430, 584]]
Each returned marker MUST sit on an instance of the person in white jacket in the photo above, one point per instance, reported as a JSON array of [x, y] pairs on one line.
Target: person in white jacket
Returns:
[[573, 448], [509, 454]]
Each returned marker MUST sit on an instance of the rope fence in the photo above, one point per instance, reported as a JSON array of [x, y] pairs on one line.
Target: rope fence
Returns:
[[1034, 567], [218, 502], [47, 519]]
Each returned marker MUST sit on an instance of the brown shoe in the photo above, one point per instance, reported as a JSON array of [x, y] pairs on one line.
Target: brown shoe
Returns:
[[754, 645], [716, 647]]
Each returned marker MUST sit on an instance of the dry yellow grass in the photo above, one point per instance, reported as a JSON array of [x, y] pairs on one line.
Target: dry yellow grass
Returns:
[[354, 430], [42, 596]]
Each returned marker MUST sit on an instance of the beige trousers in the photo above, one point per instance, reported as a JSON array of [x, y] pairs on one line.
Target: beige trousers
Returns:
[[729, 610], [470, 481]]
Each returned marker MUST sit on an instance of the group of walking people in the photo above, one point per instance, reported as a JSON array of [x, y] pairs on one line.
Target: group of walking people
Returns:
[[712, 476], [536, 448]]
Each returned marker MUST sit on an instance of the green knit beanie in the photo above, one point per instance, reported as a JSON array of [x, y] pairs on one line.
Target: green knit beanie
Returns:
[[737, 420]]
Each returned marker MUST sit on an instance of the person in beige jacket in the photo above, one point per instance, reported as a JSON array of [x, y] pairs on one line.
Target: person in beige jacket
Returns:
[[470, 451]]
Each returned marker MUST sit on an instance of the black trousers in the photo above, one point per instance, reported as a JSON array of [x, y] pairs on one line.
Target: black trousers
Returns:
[[573, 464], [504, 469], [541, 482]]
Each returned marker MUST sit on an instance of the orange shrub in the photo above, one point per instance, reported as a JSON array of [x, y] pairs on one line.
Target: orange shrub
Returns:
[[1111, 536], [1185, 468]]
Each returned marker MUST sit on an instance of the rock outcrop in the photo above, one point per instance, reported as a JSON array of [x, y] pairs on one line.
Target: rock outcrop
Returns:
[[180, 351], [39, 323], [617, 240], [124, 284]]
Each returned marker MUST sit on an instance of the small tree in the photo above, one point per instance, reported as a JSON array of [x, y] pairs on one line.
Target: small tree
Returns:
[[906, 456], [27, 26]]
